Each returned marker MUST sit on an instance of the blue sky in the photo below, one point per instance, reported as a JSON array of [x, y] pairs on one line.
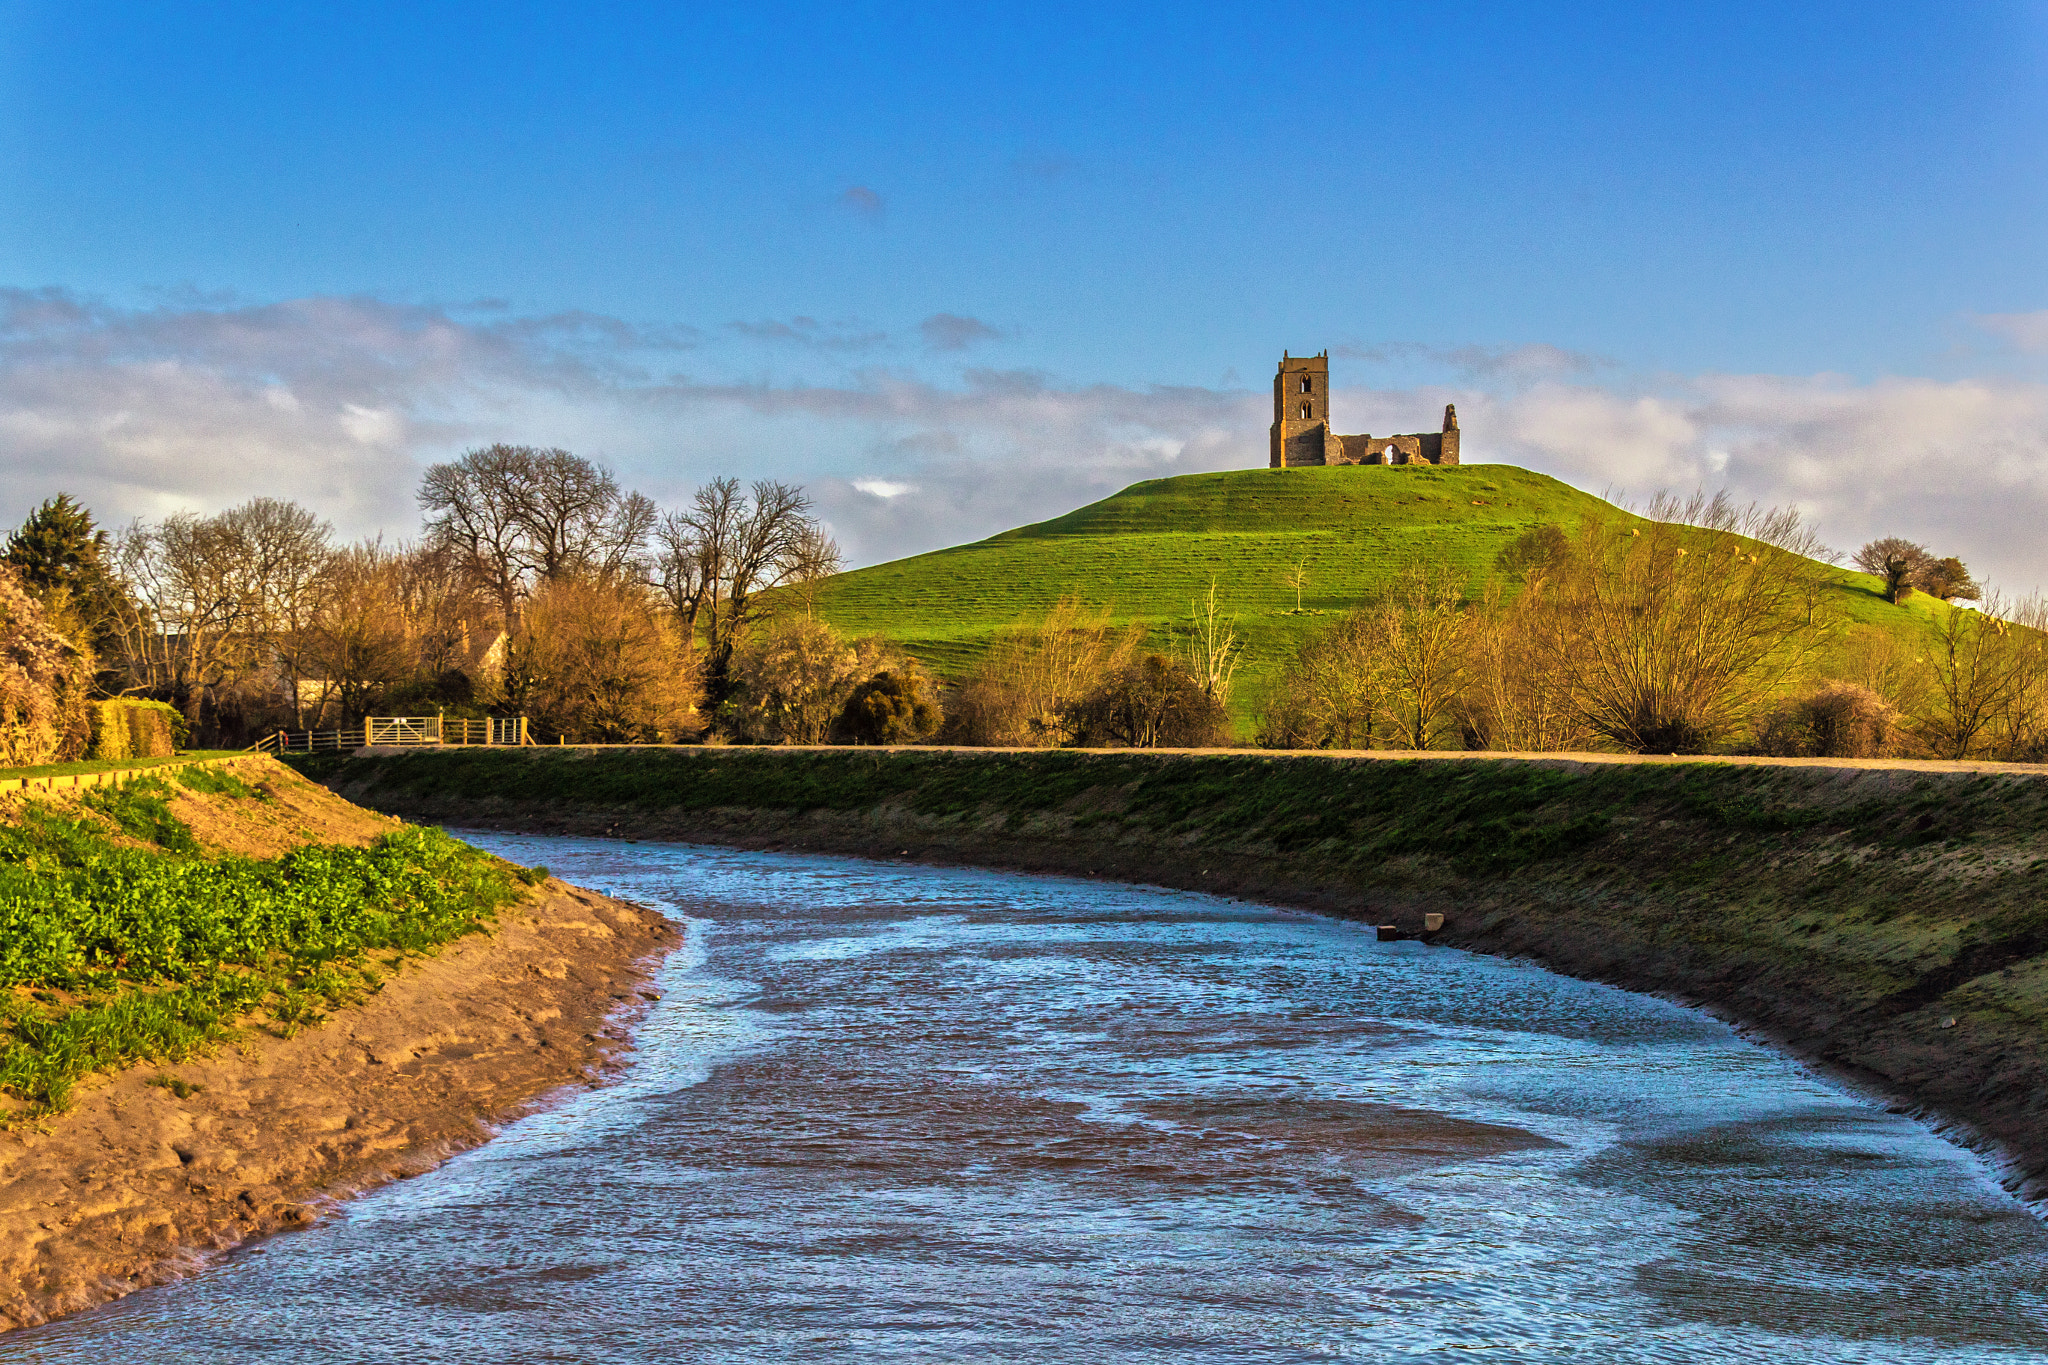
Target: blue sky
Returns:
[[960, 269]]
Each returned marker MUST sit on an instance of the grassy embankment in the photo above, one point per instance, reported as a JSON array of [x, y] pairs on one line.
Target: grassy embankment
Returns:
[[122, 939], [1890, 921], [1148, 551], [110, 765]]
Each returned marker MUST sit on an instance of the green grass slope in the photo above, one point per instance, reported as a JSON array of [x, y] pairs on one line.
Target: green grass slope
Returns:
[[1149, 550]]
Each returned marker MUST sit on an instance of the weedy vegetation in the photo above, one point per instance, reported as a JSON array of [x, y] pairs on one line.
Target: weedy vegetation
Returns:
[[111, 954]]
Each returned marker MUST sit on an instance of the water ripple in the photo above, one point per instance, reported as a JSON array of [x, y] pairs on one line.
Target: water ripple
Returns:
[[889, 1113]]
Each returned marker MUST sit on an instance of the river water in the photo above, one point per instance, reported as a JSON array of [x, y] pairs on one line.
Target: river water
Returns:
[[896, 1113]]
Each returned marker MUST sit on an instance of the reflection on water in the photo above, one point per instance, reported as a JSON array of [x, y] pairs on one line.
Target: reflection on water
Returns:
[[910, 1114]]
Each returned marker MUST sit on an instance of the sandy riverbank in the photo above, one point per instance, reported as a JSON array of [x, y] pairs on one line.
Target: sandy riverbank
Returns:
[[134, 1184]]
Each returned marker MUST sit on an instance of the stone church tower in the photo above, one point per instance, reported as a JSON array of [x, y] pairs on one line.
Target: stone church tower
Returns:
[[1301, 432], [1301, 413]]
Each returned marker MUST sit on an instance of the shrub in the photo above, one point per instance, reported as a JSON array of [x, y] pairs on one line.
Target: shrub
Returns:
[[109, 721], [1024, 690], [126, 728], [600, 662], [43, 682], [790, 680], [1838, 720], [1532, 552], [1152, 703], [893, 707], [794, 679]]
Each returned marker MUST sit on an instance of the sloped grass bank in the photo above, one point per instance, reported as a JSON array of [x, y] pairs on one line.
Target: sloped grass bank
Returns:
[[1890, 922], [122, 940]]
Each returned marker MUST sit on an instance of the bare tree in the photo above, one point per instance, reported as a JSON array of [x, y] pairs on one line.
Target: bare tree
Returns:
[[1422, 651], [519, 516], [1297, 578], [1511, 702], [1669, 634], [1980, 663], [217, 599], [1331, 696], [1895, 561], [2021, 727], [716, 557], [1210, 647], [816, 558], [451, 617], [287, 557], [358, 642]]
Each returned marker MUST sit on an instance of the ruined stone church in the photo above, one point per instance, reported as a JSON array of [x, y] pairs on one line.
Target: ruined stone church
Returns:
[[1301, 425]]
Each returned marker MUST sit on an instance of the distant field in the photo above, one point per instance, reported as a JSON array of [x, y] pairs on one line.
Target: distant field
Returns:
[[1148, 551]]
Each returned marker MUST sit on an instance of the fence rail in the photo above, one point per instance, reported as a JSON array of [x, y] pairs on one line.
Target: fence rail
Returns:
[[413, 730]]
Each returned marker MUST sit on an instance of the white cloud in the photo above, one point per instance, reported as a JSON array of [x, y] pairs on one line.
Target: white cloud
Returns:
[[340, 402], [1960, 464]]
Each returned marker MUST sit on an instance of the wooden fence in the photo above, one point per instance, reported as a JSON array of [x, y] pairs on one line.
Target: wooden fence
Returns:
[[400, 730]]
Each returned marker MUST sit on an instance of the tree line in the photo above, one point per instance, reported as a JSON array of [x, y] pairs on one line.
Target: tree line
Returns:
[[1699, 627], [536, 586]]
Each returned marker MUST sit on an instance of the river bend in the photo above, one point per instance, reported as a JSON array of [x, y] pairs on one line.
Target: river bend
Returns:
[[897, 1113]]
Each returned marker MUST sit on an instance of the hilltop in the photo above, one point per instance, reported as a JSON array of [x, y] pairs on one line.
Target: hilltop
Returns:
[[1147, 551]]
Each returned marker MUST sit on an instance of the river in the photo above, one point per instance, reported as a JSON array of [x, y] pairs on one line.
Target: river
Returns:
[[897, 1113]]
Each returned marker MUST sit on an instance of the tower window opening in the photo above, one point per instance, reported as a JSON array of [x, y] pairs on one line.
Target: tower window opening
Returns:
[[1306, 385], [1304, 412]]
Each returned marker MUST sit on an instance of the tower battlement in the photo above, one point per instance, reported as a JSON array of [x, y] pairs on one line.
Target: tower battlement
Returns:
[[1301, 433]]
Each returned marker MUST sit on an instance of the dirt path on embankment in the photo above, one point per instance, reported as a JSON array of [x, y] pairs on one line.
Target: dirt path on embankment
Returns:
[[133, 1184]]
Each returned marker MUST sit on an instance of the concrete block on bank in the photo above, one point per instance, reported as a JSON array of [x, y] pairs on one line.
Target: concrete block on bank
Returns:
[[1388, 933], [1432, 923]]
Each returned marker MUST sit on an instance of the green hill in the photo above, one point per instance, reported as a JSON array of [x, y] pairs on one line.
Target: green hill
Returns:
[[1147, 551]]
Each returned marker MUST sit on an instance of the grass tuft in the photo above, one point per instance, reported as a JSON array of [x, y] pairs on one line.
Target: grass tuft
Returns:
[[142, 809], [215, 782]]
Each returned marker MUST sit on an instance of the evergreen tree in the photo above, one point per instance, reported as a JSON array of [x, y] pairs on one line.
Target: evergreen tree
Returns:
[[57, 547], [60, 556]]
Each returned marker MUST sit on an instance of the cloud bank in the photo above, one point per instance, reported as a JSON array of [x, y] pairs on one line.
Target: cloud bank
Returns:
[[339, 402]]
